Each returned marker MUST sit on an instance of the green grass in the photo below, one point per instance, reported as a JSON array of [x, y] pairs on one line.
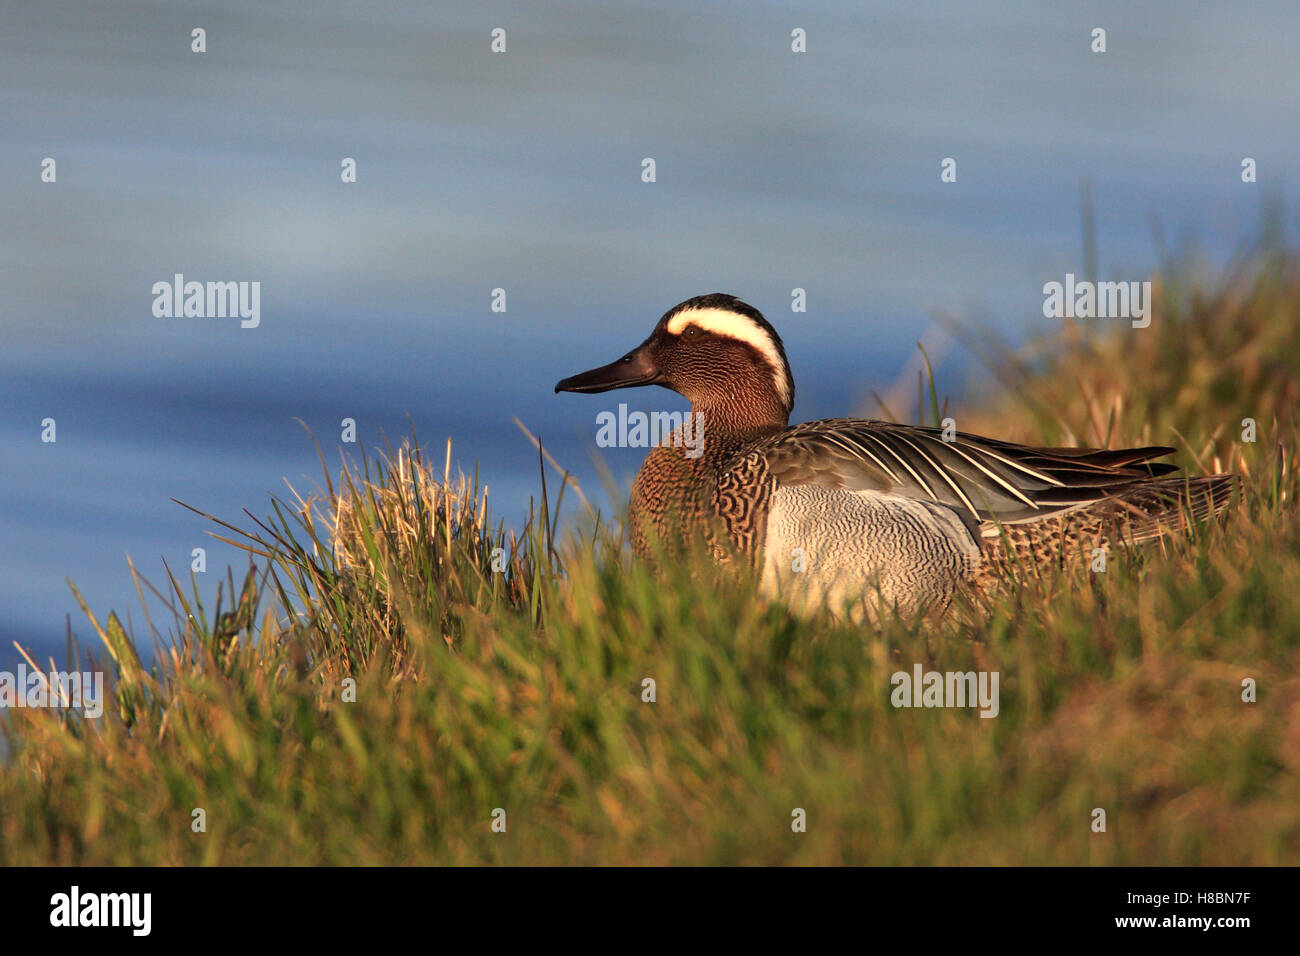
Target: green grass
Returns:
[[521, 689]]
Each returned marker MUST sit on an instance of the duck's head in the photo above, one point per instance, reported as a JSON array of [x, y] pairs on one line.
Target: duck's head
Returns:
[[718, 352]]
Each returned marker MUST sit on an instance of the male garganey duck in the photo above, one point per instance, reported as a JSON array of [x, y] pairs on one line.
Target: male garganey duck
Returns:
[[867, 508]]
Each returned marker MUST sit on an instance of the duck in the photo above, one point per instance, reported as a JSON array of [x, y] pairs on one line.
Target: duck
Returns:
[[861, 513]]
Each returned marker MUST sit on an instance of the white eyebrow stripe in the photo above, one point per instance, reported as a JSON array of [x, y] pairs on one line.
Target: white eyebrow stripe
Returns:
[[743, 329]]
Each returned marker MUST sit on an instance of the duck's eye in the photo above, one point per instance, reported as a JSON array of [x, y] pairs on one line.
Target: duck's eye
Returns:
[[691, 330]]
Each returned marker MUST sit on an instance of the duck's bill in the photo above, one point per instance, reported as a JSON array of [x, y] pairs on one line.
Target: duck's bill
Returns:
[[635, 368]]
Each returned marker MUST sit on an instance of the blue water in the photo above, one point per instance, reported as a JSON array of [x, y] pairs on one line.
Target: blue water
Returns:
[[775, 170]]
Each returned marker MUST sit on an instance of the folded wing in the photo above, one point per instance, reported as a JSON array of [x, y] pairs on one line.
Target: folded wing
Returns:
[[983, 479]]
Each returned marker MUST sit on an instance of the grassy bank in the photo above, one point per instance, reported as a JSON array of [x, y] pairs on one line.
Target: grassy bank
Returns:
[[506, 671]]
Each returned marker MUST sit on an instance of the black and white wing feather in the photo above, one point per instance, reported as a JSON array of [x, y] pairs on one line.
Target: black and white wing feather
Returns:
[[981, 478]]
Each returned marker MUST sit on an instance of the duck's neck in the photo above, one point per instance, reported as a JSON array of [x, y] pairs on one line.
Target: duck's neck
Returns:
[[729, 420], [672, 498]]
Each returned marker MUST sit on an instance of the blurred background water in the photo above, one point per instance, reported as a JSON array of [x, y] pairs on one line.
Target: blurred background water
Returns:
[[522, 170]]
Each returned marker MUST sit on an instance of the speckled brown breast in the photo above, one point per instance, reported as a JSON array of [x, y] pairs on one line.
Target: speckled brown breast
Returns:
[[719, 497]]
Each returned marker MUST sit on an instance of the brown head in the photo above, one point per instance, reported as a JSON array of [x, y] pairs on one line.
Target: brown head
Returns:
[[717, 352]]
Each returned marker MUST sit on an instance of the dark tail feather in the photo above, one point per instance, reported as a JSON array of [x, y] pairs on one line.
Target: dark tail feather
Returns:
[[1157, 508]]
